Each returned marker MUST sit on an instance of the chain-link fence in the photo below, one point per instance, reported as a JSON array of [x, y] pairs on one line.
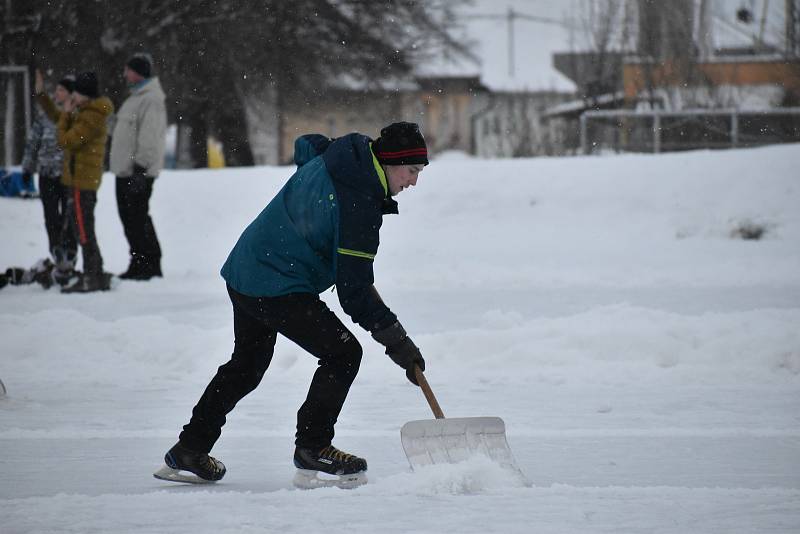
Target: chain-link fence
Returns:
[[662, 131]]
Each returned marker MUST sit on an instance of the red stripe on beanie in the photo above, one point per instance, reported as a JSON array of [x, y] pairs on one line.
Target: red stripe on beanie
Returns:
[[401, 153]]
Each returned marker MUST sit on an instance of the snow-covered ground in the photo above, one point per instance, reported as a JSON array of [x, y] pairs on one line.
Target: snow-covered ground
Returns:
[[646, 361]]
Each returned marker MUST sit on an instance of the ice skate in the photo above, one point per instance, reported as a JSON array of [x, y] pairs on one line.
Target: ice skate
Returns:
[[328, 467], [184, 465]]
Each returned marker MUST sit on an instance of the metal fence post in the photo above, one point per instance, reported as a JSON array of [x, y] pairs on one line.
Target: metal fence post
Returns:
[[656, 132], [11, 105], [739, 134], [584, 137]]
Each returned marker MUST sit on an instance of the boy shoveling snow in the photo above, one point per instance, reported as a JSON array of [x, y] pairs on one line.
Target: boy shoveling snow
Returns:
[[321, 229]]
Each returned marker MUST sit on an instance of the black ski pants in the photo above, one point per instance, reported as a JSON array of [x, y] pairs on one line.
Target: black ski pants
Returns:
[[54, 202], [80, 227], [133, 203], [304, 319]]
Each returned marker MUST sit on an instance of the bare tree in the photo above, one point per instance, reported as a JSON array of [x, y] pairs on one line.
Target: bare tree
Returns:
[[213, 54], [600, 36], [665, 39]]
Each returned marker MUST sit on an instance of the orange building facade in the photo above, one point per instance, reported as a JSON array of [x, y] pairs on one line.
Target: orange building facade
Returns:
[[639, 77]]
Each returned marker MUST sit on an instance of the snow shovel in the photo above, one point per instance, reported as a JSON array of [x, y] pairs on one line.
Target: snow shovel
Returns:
[[449, 441]]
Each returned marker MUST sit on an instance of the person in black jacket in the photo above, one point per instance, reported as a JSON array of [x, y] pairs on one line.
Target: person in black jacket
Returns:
[[321, 229], [43, 155]]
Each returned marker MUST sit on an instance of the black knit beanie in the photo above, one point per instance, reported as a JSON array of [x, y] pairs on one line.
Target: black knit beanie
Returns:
[[141, 64], [401, 143], [86, 85], [67, 82]]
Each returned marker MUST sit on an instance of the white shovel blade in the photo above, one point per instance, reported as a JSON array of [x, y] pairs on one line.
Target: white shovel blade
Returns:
[[449, 441]]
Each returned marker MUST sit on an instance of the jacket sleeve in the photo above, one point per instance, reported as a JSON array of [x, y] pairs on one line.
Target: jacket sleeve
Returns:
[[359, 225], [150, 134], [32, 145], [74, 133], [49, 107]]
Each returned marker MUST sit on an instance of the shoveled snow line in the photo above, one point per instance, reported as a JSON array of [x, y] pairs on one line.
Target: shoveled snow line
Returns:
[[723, 432]]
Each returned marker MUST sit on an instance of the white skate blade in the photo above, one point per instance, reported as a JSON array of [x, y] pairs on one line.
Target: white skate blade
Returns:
[[176, 475], [308, 479]]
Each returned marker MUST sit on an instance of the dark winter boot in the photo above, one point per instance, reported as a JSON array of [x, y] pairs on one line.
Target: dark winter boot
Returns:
[[42, 273], [15, 276], [201, 464], [65, 261], [134, 268], [88, 283], [329, 460], [151, 268], [63, 277], [142, 269], [154, 270]]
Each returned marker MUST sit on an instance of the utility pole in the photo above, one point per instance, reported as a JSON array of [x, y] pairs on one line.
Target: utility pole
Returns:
[[703, 37], [761, 45], [9, 14], [510, 17], [11, 102], [15, 28], [792, 16]]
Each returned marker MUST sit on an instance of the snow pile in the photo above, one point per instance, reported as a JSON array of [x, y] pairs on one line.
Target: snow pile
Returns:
[[611, 341], [474, 476]]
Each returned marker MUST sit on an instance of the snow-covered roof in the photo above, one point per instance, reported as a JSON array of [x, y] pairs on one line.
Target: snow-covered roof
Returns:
[[352, 83], [574, 106], [534, 45]]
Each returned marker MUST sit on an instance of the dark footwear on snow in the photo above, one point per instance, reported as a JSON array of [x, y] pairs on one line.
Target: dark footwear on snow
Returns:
[[141, 275], [63, 277], [328, 460], [142, 269], [88, 283], [179, 458]]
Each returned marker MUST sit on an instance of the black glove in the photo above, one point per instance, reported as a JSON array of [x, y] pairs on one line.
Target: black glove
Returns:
[[26, 177], [139, 171], [400, 349], [135, 183]]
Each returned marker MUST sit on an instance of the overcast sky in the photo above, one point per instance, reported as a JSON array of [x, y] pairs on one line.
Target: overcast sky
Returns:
[[535, 41]]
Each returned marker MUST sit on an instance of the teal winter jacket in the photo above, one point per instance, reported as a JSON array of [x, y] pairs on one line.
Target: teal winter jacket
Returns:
[[321, 229]]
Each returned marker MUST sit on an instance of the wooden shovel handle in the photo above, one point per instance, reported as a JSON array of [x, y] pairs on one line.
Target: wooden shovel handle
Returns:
[[429, 396]]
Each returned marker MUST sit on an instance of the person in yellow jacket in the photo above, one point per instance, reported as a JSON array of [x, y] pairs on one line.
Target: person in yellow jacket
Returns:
[[82, 133]]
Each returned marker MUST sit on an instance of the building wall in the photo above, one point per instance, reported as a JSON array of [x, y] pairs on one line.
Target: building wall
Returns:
[[453, 114], [445, 119], [443, 116], [338, 113], [746, 72], [511, 125]]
